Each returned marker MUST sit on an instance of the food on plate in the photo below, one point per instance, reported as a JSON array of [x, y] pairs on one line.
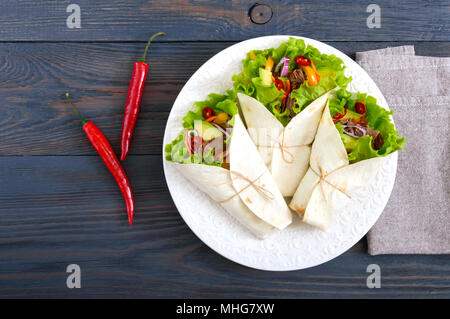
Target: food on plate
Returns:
[[105, 151], [282, 92], [215, 152], [285, 150], [353, 136], [288, 78], [134, 99], [365, 128], [306, 137]]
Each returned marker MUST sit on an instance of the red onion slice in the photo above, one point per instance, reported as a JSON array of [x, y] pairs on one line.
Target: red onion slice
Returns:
[[277, 68], [347, 129], [285, 67], [284, 61]]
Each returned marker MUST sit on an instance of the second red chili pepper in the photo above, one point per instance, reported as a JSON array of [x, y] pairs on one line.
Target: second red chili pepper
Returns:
[[134, 99], [105, 151]]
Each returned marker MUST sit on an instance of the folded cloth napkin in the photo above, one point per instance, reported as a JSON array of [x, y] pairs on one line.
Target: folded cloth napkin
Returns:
[[416, 219]]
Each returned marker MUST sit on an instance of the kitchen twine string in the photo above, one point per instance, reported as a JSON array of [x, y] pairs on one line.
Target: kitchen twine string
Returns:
[[261, 190], [322, 178], [283, 148]]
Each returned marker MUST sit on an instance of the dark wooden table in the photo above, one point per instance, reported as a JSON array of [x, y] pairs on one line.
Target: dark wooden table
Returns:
[[60, 206]]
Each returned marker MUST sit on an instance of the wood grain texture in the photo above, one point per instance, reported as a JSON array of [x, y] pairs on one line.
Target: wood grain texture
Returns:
[[58, 203], [34, 116], [217, 20], [59, 210]]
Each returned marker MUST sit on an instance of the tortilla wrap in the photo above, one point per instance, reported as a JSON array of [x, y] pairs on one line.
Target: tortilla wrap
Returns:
[[330, 178], [333, 194], [285, 149], [247, 191], [327, 154], [263, 127], [216, 183]]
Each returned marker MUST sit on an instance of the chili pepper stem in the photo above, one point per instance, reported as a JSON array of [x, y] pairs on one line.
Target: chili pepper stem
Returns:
[[75, 109], [148, 44]]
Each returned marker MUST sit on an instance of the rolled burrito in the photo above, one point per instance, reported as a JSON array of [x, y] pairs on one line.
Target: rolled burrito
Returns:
[[357, 132], [286, 150], [235, 176]]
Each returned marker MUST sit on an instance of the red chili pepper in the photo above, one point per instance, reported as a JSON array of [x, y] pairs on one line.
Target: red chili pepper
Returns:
[[302, 60], [134, 99], [104, 149], [360, 107], [338, 116], [207, 112]]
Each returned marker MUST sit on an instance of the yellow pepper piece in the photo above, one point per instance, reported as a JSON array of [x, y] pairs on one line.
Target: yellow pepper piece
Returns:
[[312, 76], [221, 118], [252, 55], [269, 64]]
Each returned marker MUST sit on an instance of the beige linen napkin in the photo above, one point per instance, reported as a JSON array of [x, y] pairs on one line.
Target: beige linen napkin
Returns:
[[416, 219]]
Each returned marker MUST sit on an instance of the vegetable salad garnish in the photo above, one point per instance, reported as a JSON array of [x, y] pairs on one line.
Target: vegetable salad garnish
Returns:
[[206, 133], [288, 78], [365, 127]]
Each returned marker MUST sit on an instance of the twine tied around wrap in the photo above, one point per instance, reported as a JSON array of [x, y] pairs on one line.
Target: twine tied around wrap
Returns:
[[322, 178], [283, 148], [261, 190]]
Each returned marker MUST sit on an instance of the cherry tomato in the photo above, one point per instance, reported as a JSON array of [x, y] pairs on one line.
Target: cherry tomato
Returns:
[[208, 112], [360, 107], [302, 60], [338, 116], [279, 84], [196, 143]]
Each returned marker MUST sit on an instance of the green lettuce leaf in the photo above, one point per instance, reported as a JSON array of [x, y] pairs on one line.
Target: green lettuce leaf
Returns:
[[379, 119], [176, 151], [330, 68], [218, 102]]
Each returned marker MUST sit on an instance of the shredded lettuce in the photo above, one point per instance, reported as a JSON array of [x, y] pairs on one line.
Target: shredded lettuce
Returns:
[[330, 68], [378, 118]]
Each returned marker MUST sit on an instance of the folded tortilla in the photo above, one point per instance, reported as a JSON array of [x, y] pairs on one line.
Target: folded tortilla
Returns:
[[330, 179], [247, 191], [286, 150]]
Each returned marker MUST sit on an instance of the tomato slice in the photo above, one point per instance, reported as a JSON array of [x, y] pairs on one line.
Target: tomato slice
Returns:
[[302, 60], [360, 107], [196, 142]]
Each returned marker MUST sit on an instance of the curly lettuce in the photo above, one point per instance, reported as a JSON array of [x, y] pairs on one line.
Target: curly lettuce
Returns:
[[378, 118], [218, 102], [176, 151], [329, 67]]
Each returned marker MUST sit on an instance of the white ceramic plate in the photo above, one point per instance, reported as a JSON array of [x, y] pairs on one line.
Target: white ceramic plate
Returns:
[[299, 245]]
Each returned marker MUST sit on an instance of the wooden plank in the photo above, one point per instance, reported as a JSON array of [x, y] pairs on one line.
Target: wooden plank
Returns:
[[61, 210], [117, 20], [35, 119]]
